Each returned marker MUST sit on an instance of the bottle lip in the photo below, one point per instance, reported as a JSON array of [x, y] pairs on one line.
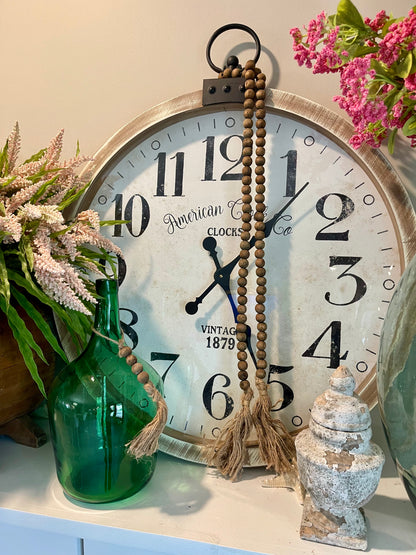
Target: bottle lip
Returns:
[[104, 285]]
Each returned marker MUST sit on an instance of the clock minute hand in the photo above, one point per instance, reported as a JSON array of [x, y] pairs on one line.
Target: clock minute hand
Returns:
[[222, 275]]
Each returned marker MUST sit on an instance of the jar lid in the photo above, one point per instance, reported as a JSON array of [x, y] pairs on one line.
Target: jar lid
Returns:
[[338, 408]]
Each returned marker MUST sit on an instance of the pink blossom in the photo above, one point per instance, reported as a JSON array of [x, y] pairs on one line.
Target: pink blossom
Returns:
[[378, 22]]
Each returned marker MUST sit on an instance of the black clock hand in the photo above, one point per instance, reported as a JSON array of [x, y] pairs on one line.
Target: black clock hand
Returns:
[[222, 275]]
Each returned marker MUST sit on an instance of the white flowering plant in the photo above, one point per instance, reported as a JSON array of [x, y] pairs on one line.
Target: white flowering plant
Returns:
[[44, 259]]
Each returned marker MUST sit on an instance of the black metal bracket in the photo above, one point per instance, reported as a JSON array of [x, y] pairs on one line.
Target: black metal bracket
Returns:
[[230, 89]]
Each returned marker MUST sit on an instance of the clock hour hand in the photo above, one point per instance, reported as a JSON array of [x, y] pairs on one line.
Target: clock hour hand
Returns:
[[222, 275]]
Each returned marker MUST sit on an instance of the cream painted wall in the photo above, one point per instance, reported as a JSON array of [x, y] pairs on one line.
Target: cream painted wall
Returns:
[[90, 66]]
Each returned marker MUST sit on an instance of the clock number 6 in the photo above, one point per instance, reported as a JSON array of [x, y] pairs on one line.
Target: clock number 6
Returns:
[[208, 396]]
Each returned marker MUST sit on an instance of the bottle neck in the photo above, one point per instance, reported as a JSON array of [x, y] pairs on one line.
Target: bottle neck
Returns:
[[107, 320]]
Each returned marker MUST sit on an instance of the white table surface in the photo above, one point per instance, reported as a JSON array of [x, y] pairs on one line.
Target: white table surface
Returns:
[[187, 508]]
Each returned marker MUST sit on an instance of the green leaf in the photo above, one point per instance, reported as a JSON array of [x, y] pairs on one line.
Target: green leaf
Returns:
[[4, 280], [36, 156], [42, 189], [4, 159], [347, 14], [404, 68], [40, 322], [25, 342], [27, 251], [409, 128], [391, 141], [72, 196]]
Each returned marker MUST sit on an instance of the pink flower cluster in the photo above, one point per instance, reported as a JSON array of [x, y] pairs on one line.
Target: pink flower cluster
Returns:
[[376, 61]]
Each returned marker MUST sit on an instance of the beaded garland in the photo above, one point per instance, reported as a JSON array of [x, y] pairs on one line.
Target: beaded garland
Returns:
[[276, 446]]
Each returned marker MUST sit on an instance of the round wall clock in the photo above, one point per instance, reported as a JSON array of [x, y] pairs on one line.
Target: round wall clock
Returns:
[[340, 231]]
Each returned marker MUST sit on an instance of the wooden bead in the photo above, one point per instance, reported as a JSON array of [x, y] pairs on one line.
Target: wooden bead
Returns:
[[262, 364], [244, 385], [242, 290], [248, 103], [261, 290], [259, 199], [241, 337], [242, 282], [241, 318], [250, 84], [262, 326], [244, 245], [259, 226], [246, 217], [246, 199], [248, 113], [260, 179], [260, 244], [246, 181], [243, 272], [258, 216], [259, 253], [247, 132], [261, 113], [260, 317], [261, 281], [261, 345], [245, 236], [260, 123], [260, 308], [260, 207], [261, 132], [261, 94], [242, 365], [241, 345], [236, 72], [241, 309], [246, 226], [227, 72], [260, 160], [249, 74], [242, 375], [261, 355], [243, 263], [247, 151], [259, 104], [260, 373], [131, 359], [240, 328], [261, 76], [244, 254], [250, 65], [246, 170], [242, 299], [242, 355], [249, 93], [259, 170], [261, 299], [260, 271], [137, 368], [260, 84], [246, 208], [124, 351], [262, 336], [260, 141], [143, 378], [248, 123], [260, 151]]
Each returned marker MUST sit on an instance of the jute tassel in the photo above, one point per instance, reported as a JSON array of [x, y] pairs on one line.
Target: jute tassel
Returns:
[[276, 445], [229, 453], [146, 442]]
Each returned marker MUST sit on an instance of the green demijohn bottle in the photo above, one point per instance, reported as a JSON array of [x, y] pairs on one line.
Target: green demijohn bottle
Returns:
[[96, 406]]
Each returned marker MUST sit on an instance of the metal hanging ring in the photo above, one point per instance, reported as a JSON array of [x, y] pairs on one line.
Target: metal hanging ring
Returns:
[[227, 28]]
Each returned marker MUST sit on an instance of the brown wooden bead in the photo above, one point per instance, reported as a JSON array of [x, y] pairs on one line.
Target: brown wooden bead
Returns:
[[250, 74], [260, 271], [261, 280], [241, 309], [262, 336], [249, 93], [259, 170], [260, 373], [124, 351], [242, 299], [241, 318], [259, 253], [244, 254], [261, 290], [240, 328], [261, 94], [242, 355], [247, 142], [247, 151], [242, 282], [243, 272], [262, 326], [143, 377], [260, 207], [260, 141], [250, 65], [236, 72], [246, 199], [248, 123], [260, 151], [249, 103], [260, 179], [261, 132], [262, 364], [242, 337], [246, 226], [258, 216], [243, 263], [260, 226], [244, 385], [259, 244], [242, 375], [246, 170], [260, 308], [131, 359], [261, 345], [246, 181], [250, 84], [246, 208], [241, 345], [260, 160], [246, 217], [247, 132], [260, 84], [242, 365], [259, 199], [245, 236], [137, 368], [261, 355], [244, 245], [260, 124], [260, 113], [242, 290], [248, 113], [261, 299], [260, 317], [259, 104], [261, 76], [227, 72]]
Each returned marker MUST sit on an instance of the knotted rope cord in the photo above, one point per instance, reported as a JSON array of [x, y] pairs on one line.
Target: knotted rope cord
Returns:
[[276, 445], [146, 441]]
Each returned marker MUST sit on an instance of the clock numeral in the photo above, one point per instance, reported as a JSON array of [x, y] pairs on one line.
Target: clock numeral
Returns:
[[288, 394], [361, 286], [130, 214], [347, 208], [335, 346], [220, 342], [228, 175], [121, 268], [161, 174], [127, 327], [209, 395], [164, 356], [292, 160]]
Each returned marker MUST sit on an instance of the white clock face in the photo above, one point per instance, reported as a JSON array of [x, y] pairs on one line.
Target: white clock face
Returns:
[[333, 258]]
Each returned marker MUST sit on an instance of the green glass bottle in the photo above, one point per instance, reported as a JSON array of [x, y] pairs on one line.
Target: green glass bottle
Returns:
[[96, 406]]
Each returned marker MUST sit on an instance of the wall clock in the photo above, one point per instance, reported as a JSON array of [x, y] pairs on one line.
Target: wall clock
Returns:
[[340, 232]]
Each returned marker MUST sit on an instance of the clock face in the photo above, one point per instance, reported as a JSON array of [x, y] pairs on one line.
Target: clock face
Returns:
[[334, 254]]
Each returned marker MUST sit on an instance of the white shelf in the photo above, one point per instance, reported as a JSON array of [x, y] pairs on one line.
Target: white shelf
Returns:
[[185, 508]]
